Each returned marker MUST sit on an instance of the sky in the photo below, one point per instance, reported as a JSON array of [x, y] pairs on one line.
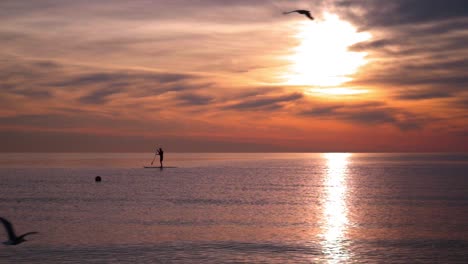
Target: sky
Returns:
[[233, 76]]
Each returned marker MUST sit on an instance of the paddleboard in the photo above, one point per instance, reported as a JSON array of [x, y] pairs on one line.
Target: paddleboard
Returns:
[[154, 167]]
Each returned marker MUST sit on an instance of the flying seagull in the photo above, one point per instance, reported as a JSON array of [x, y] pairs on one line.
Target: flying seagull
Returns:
[[302, 12], [12, 238]]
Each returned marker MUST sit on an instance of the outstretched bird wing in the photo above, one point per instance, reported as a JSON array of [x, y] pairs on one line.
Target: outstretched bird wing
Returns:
[[9, 228], [27, 234], [302, 12], [293, 11], [307, 14]]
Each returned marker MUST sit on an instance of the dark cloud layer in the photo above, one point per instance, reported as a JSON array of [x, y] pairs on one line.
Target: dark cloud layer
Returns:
[[123, 77], [99, 96], [371, 114], [194, 99], [265, 102], [374, 13], [41, 79], [423, 95]]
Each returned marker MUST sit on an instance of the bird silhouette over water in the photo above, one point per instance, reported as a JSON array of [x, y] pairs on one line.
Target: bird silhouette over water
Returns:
[[302, 12], [12, 238]]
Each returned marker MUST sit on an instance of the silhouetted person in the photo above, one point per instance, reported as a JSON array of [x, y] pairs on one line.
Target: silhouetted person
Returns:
[[12, 238], [302, 12], [161, 156], [98, 179], [159, 152]]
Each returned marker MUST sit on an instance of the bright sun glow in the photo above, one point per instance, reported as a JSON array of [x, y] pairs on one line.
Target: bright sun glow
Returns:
[[322, 59], [337, 91]]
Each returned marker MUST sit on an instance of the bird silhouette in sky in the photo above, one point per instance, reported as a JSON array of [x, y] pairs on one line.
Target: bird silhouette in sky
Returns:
[[302, 12], [12, 238]]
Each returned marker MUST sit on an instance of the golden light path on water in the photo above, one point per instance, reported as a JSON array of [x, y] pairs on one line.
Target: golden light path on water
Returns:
[[335, 208]]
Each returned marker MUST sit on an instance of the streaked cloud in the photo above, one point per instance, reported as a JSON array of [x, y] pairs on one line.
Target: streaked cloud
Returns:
[[265, 102], [370, 114]]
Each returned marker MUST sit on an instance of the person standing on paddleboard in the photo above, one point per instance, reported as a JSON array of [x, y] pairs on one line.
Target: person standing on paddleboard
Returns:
[[159, 152]]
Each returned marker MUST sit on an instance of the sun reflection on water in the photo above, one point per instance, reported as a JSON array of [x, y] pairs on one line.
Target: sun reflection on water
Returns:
[[335, 208]]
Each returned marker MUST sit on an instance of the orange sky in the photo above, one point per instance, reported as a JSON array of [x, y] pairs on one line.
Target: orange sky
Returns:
[[233, 76]]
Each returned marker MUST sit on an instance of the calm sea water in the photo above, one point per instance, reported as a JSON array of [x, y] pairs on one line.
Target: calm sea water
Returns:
[[236, 208]]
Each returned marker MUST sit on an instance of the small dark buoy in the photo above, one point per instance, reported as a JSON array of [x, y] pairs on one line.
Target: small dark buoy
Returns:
[[98, 179]]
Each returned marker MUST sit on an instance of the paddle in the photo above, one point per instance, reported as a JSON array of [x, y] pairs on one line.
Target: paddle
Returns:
[[153, 159]]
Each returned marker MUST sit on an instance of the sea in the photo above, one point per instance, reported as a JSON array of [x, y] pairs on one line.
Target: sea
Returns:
[[236, 208]]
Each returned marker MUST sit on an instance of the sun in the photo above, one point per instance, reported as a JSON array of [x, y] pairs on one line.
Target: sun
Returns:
[[322, 59]]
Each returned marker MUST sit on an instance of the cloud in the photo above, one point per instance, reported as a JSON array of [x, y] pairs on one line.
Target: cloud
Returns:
[[460, 103], [99, 96], [36, 94], [369, 114], [117, 77], [423, 94], [26, 79], [375, 13], [194, 99], [55, 82], [265, 102]]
